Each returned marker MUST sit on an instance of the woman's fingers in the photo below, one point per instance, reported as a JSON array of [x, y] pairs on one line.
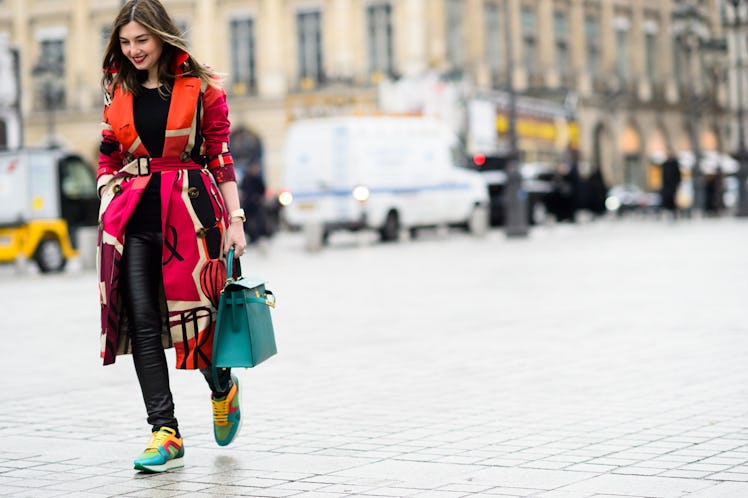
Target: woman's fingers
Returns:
[[235, 238]]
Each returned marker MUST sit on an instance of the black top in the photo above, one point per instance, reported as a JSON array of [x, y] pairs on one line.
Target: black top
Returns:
[[150, 111]]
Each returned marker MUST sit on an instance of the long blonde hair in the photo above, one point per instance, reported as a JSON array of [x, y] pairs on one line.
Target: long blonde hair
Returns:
[[151, 14]]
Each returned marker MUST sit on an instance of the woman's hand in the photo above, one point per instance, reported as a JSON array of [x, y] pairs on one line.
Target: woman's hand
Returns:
[[234, 237]]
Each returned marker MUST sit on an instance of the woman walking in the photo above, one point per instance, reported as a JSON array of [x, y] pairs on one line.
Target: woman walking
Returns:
[[169, 211]]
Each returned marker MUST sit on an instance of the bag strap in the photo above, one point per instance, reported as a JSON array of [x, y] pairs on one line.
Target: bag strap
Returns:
[[229, 264], [214, 370]]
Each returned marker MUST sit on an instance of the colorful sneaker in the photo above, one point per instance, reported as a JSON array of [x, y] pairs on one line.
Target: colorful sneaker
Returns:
[[164, 452], [227, 417]]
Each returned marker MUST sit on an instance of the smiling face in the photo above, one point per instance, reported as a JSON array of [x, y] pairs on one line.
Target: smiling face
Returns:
[[141, 48]]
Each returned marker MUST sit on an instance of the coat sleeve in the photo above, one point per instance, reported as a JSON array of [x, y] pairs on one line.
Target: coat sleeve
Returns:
[[110, 153], [215, 130]]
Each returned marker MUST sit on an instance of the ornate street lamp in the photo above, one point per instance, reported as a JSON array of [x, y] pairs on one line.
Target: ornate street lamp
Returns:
[[738, 26], [690, 29], [515, 198], [11, 128]]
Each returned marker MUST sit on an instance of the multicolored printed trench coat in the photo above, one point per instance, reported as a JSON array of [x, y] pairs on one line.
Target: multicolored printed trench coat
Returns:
[[193, 216]]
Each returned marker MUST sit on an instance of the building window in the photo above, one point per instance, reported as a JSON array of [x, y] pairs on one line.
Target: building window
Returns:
[[309, 29], [242, 55], [679, 62], [561, 37], [184, 29], [379, 28], [454, 33], [650, 41], [650, 50], [3, 134], [52, 53], [494, 48], [106, 33], [529, 40], [592, 45], [50, 73], [621, 27]]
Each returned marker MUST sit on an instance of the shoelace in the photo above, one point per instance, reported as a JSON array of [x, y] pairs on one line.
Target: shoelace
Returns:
[[158, 439], [221, 411]]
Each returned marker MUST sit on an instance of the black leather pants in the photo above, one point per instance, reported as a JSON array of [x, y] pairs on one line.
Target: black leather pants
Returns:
[[141, 273]]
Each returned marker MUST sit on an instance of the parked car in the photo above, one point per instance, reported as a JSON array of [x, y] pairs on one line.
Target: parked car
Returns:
[[630, 197], [537, 184]]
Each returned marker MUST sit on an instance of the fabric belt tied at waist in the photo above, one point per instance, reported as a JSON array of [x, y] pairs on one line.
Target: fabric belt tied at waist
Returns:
[[144, 166]]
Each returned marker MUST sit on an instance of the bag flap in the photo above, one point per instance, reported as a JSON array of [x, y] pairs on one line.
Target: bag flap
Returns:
[[247, 282]]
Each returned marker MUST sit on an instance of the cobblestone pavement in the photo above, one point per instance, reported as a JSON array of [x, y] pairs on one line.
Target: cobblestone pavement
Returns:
[[600, 359]]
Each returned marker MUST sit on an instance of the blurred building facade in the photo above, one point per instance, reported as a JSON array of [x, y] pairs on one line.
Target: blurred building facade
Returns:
[[619, 61]]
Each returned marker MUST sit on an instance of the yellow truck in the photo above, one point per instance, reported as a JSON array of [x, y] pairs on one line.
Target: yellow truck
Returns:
[[46, 197]]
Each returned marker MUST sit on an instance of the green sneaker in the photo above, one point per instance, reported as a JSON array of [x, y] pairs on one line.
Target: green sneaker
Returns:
[[227, 417], [165, 451]]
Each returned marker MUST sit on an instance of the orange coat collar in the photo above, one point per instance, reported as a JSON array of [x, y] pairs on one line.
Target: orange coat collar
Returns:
[[182, 108]]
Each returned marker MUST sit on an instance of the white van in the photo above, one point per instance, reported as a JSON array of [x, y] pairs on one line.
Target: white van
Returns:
[[376, 172]]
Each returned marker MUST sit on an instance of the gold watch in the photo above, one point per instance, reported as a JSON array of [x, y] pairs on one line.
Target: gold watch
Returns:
[[237, 213]]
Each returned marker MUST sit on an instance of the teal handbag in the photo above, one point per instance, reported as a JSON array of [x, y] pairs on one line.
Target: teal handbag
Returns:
[[244, 335]]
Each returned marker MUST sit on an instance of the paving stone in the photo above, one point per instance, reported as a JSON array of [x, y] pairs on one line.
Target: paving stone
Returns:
[[528, 478], [729, 476], [512, 491], [723, 490], [387, 491], [36, 493], [302, 486], [655, 487]]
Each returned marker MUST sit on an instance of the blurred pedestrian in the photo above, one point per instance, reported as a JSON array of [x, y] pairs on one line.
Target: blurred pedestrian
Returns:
[[714, 191], [164, 225], [597, 192], [566, 188], [253, 201], [671, 178]]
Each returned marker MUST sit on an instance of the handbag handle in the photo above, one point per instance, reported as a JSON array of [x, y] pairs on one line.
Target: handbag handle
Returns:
[[229, 264], [216, 384]]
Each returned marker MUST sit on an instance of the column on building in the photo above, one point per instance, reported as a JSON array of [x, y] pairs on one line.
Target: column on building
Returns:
[[546, 46], [638, 56], [720, 30], [475, 36], [665, 61], [737, 48], [581, 76], [79, 67], [606, 137], [577, 54], [518, 73], [437, 34], [410, 29], [607, 38], [338, 40], [204, 44], [271, 79]]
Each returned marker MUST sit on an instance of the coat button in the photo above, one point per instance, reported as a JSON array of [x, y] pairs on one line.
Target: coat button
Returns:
[[193, 192], [117, 189], [128, 157], [184, 157], [201, 233]]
